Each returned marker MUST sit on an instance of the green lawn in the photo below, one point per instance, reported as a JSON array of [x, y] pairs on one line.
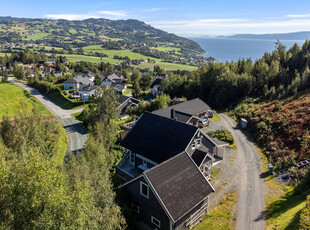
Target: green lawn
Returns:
[[78, 58], [13, 98], [284, 212], [37, 35], [220, 217]]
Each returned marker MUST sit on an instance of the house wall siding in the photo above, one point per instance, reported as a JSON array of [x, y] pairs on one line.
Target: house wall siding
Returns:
[[148, 207], [181, 224]]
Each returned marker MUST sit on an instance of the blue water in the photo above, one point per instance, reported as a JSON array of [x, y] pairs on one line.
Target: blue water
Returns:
[[232, 49]]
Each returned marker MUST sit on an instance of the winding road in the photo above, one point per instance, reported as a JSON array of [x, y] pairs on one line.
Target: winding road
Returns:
[[250, 186], [76, 134]]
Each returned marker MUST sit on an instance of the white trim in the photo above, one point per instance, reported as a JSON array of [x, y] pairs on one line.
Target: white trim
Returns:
[[146, 159], [128, 182], [191, 139], [141, 190], [152, 221]]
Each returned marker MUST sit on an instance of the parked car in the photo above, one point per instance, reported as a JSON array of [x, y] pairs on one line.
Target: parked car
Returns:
[[210, 113], [203, 122]]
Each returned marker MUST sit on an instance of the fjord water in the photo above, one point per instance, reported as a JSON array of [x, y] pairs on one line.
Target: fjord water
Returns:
[[232, 49]]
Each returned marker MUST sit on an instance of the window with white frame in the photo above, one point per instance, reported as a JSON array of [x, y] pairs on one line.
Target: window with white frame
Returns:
[[193, 145], [145, 163], [155, 221], [144, 189], [198, 142]]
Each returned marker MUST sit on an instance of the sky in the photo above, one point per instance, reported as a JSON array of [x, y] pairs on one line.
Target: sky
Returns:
[[185, 18]]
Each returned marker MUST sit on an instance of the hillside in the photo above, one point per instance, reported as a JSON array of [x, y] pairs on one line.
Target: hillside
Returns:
[[280, 127], [71, 37]]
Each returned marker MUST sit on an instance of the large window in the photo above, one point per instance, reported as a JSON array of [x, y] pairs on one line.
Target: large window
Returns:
[[144, 189], [155, 221]]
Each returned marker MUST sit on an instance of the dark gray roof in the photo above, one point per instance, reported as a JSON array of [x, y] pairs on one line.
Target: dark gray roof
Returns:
[[179, 184], [87, 88], [198, 156], [158, 138], [156, 82], [192, 107]]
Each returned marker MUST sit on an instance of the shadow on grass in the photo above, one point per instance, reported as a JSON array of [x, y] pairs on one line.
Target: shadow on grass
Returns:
[[282, 205]]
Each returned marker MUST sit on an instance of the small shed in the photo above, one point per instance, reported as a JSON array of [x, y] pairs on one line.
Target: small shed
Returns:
[[243, 123]]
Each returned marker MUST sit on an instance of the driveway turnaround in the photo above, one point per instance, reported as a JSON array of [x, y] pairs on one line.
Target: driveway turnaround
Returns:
[[250, 186], [76, 134]]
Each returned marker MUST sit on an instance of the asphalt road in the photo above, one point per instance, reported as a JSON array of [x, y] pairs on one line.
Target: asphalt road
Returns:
[[247, 178], [76, 134]]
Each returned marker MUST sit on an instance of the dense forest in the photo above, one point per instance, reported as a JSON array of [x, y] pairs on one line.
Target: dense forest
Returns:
[[276, 75]]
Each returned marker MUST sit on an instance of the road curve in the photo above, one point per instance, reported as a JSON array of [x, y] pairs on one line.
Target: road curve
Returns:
[[76, 134], [251, 202]]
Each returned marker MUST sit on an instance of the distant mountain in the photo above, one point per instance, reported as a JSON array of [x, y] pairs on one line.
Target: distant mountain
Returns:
[[303, 35]]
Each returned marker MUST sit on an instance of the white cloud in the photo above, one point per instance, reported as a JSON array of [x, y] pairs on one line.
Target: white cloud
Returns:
[[298, 15], [114, 13], [71, 16]]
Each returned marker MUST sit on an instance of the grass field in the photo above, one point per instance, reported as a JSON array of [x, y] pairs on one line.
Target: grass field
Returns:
[[221, 216], [284, 212], [14, 100], [37, 35]]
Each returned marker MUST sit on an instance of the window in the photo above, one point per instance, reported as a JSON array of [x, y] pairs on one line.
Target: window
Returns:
[[155, 221], [145, 163], [193, 145], [144, 189], [198, 142]]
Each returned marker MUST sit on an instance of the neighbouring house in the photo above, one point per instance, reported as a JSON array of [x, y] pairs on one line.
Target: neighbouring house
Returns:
[[114, 80], [126, 102], [60, 74], [109, 79], [2, 67], [162, 75], [76, 82], [155, 139], [155, 87], [86, 91], [50, 63], [89, 74], [171, 195], [194, 112], [147, 74]]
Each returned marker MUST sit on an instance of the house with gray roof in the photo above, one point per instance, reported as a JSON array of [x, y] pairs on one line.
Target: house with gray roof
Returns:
[[114, 80], [166, 167], [76, 82], [190, 112], [171, 195]]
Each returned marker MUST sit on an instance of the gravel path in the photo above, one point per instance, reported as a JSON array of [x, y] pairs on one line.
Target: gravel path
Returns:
[[76, 134], [244, 177]]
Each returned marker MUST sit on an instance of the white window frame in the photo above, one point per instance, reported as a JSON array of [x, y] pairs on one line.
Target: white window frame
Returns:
[[193, 145], [156, 224], [148, 190], [198, 142]]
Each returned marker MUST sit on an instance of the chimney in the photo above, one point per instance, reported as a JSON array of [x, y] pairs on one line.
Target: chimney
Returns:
[[172, 112]]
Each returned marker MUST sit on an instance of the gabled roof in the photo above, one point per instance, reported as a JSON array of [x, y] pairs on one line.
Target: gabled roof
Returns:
[[192, 107], [80, 79], [158, 138], [156, 82], [87, 88], [179, 185], [120, 86]]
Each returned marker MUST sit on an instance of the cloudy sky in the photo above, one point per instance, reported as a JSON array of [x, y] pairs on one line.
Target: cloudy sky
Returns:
[[195, 17]]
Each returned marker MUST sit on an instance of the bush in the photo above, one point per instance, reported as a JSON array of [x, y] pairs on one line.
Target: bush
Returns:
[[222, 135]]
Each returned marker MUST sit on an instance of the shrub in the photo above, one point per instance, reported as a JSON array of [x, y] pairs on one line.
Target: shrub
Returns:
[[222, 135]]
